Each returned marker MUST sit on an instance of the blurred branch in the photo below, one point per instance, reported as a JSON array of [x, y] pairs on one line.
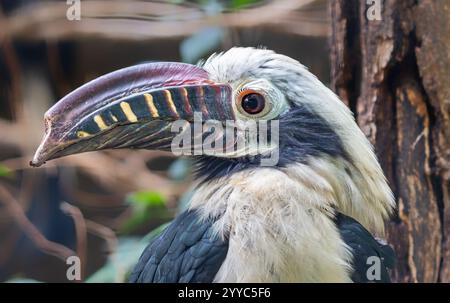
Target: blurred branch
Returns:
[[130, 172], [80, 232], [17, 213], [103, 232], [107, 234], [13, 66], [142, 20], [8, 245], [127, 173]]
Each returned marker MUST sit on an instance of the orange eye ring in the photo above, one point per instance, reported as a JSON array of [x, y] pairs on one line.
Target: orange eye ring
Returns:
[[251, 102]]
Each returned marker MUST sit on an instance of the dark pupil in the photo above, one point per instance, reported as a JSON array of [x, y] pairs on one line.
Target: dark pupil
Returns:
[[253, 103]]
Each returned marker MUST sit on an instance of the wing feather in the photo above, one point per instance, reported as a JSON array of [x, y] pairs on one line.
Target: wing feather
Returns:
[[187, 251], [364, 246]]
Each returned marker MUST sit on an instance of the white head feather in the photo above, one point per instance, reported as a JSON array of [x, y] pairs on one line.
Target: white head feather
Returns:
[[364, 193]]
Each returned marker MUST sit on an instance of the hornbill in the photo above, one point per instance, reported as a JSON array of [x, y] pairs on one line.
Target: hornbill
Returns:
[[309, 217]]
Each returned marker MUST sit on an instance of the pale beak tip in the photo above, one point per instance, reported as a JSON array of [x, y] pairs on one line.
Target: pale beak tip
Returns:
[[36, 162], [42, 153]]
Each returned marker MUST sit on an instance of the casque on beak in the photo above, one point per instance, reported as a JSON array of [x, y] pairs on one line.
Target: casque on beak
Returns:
[[132, 108]]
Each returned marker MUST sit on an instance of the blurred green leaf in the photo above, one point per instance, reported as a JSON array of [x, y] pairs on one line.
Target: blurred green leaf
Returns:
[[146, 207], [238, 4], [147, 198], [5, 171]]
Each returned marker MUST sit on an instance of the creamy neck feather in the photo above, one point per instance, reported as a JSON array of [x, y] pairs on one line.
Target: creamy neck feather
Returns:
[[279, 223]]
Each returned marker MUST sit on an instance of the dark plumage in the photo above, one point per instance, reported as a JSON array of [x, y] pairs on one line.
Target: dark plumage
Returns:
[[186, 251], [363, 246]]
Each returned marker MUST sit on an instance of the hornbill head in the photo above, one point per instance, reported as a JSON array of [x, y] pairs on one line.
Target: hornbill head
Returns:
[[142, 106]]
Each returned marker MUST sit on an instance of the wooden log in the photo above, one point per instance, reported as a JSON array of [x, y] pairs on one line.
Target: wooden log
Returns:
[[394, 73]]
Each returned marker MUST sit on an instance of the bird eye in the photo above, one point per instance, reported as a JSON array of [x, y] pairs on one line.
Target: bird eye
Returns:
[[253, 103], [258, 99]]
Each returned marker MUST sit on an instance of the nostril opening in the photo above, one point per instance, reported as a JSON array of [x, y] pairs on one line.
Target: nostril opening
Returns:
[[47, 124]]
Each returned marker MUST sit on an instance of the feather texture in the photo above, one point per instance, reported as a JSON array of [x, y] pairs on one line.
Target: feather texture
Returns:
[[186, 252], [364, 247]]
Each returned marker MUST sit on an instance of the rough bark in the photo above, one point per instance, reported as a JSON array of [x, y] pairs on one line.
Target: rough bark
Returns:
[[394, 74]]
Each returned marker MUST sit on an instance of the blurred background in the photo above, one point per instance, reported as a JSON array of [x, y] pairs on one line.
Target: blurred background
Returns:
[[103, 206]]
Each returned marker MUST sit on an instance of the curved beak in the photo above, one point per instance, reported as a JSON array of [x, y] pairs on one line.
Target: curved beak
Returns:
[[133, 107]]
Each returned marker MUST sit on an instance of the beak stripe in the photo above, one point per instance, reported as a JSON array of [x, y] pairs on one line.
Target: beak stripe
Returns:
[[128, 112], [83, 134], [100, 123], [218, 101], [187, 106], [201, 100], [211, 100], [169, 100], [113, 117], [151, 105]]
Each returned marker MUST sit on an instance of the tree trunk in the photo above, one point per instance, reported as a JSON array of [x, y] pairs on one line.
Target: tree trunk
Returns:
[[394, 74]]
